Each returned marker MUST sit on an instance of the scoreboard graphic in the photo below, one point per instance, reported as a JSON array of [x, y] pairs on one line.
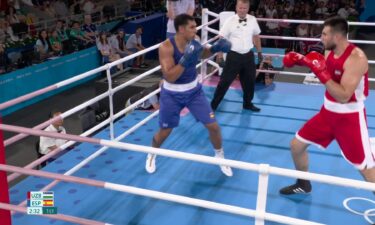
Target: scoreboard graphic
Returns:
[[40, 202]]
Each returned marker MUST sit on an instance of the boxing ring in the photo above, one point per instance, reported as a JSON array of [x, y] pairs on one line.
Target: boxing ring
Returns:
[[187, 188]]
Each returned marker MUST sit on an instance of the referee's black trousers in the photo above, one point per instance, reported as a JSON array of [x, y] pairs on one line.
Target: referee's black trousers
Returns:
[[244, 66]]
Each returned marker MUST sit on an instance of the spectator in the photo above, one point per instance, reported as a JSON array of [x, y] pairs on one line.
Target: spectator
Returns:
[[9, 34], [3, 32], [108, 54], [307, 10], [296, 12], [20, 29], [272, 28], [75, 7], [118, 45], [332, 8], [288, 8], [47, 8], [134, 44], [48, 144], [321, 9], [56, 43], [89, 8], [347, 11], [61, 30], [271, 11], [303, 30], [42, 46], [150, 104], [61, 9], [175, 8], [11, 15], [89, 28], [79, 38], [3, 59], [286, 30], [109, 11], [316, 29], [30, 21]]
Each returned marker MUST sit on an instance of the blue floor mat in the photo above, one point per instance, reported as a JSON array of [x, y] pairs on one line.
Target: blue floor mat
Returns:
[[250, 137]]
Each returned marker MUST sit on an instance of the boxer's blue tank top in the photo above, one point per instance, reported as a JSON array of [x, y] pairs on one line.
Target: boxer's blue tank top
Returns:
[[190, 73]]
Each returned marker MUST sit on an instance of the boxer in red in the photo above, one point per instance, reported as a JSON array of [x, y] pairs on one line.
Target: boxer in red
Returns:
[[344, 72]]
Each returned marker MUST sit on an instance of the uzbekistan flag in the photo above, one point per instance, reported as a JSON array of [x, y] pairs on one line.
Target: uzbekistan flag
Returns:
[[48, 195]]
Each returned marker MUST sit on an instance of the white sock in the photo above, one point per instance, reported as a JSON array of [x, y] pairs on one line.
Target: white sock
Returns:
[[220, 150]]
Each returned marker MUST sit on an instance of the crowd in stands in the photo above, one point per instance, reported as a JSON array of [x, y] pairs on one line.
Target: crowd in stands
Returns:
[[32, 31], [305, 10], [19, 29], [293, 9]]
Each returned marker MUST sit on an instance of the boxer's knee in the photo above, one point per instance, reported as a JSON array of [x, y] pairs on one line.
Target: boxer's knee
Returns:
[[297, 147], [213, 128], [160, 136]]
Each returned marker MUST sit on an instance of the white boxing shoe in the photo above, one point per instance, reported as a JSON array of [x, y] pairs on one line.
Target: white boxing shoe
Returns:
[[225, 169], [151, 163]]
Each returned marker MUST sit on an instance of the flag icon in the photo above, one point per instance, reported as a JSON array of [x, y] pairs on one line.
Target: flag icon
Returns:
[[48, 195], [47, 203]]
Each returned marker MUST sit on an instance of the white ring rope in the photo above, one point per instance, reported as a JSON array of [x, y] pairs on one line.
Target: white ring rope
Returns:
[[199, 158], [159, 195], [312, 21]]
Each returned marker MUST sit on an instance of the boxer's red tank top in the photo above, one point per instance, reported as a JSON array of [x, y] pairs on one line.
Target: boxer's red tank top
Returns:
[[336, 69]]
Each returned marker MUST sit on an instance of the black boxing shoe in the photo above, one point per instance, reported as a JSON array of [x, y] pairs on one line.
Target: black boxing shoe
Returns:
[[251, 107], [300, 187]]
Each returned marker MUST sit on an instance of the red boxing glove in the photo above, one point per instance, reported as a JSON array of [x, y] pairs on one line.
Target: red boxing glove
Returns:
[[317, 63], [293, 58]]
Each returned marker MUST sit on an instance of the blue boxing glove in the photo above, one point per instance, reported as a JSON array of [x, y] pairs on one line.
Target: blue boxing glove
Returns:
[[192, 54], [222, 45]]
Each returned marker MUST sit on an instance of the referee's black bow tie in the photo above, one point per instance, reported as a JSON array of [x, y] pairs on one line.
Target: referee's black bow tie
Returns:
[[242, 20]]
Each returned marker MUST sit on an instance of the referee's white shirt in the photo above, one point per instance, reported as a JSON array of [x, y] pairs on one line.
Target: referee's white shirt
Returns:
[[240, 34]]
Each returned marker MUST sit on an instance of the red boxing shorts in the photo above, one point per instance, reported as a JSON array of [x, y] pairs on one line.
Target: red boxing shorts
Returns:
[[347, 125]]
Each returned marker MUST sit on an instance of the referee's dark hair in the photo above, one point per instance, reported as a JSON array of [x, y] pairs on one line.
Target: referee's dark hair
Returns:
[[182, 20], [53, 113], [337, 25]]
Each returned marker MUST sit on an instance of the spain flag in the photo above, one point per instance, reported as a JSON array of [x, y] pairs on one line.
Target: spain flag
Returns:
[[47, 202]]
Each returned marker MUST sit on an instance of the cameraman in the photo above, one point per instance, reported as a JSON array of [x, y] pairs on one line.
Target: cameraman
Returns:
[[265, 78]]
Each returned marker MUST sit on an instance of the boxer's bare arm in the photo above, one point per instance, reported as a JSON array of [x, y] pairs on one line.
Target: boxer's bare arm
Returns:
[[354, 68], [171, 71]]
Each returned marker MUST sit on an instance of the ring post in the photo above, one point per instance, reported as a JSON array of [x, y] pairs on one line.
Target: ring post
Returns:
[[4, 191], [262, 194], [110, 96], [204, 38]]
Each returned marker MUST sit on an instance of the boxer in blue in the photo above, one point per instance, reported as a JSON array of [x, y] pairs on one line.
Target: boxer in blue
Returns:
[[178, 58]]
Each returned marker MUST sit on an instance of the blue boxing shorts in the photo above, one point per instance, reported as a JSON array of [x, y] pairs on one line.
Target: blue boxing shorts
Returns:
[[172, 103]]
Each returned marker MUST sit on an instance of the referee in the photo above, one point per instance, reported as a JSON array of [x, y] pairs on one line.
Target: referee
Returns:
[[242, 30]]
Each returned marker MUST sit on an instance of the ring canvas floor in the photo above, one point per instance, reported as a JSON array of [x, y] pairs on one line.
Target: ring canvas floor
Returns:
[[250, 137]]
